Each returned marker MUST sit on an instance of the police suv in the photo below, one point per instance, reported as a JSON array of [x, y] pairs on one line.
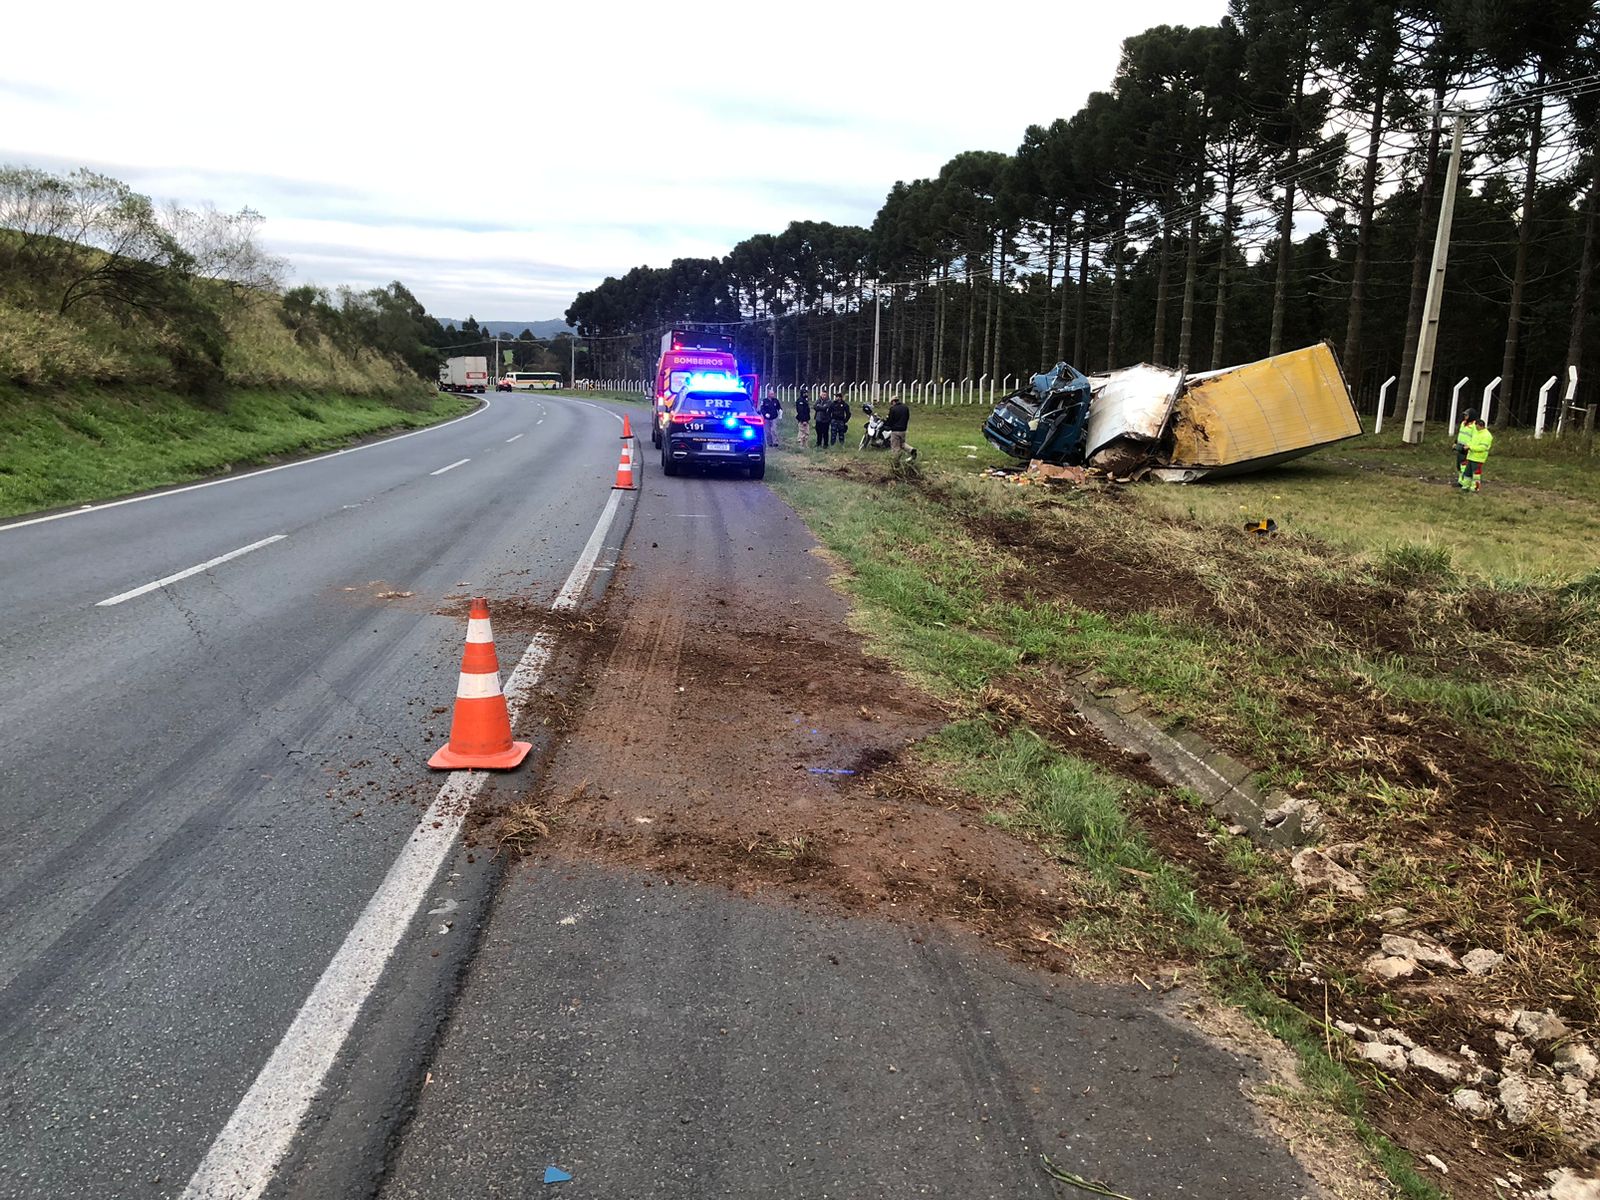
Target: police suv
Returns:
[[713, 425]]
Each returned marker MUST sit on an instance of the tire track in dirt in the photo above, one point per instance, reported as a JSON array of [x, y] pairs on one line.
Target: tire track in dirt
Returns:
[[736, 732]]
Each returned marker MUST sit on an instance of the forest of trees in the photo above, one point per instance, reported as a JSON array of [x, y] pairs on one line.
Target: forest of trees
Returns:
[[1243, 188]]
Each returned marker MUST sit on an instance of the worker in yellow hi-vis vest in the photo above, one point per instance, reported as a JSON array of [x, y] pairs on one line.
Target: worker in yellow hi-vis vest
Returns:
[[1463, 436], [1478, 445]]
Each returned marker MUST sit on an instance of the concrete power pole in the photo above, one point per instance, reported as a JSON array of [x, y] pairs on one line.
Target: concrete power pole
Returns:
[[877, 321], [1422, 371]]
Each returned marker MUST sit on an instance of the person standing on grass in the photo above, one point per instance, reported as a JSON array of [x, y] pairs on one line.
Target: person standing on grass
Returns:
[[1477, 455], [840, 422], [802, 420], [1463, 436], [822, 417], [771, 411], [898, 419]]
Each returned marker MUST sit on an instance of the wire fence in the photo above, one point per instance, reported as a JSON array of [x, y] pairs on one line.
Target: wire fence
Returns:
[[949, 392]]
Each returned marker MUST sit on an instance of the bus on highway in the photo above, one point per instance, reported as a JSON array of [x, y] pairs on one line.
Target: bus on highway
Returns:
[[531, 381]]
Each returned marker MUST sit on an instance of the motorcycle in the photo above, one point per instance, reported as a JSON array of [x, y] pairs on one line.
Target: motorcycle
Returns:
[[875, 436]]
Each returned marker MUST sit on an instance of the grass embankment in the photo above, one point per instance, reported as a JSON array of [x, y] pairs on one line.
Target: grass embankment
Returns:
[[1424, 665], [75, 447], [1537, 519]]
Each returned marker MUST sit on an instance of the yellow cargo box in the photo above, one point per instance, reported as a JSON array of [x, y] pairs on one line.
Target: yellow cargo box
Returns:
[[1253, 416]]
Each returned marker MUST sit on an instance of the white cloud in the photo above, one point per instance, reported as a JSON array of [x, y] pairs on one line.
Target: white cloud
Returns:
[[499, 163]]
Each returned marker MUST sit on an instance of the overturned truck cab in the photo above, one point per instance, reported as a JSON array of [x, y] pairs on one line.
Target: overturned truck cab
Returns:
[[1169, 425]]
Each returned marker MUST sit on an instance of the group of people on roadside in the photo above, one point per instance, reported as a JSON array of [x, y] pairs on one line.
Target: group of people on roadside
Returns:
[[830, 416]]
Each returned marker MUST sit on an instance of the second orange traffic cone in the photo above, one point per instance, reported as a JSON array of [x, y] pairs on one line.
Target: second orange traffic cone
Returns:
[[480, 730], [625, 470], [627, 430]]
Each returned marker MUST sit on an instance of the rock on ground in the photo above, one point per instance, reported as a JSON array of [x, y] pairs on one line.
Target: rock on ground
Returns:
[[1577, 1059], [1389, 1058], [1421, 950], [1390, 966], [1314, 870], [1518, 1098], [1440, 1066], [1569, 1185], [1474, 1103], [1481, 962], [1542, 1026]]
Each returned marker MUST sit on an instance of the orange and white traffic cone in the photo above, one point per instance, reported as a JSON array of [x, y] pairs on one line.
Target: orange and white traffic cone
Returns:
[[627, 429], [480, 730], [625, 470]]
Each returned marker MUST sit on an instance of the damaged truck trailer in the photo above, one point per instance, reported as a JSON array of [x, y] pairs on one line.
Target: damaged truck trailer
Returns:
[[1169, 425]]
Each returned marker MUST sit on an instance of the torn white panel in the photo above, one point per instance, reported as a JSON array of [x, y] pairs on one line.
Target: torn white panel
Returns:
[[1131, 403]]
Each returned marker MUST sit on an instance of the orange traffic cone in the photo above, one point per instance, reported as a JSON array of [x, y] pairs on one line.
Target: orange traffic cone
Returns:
[[480, 730], [627, 430], [625, 470]]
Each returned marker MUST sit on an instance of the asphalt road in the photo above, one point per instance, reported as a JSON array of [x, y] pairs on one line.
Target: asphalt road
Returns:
[[654, 1037], [203, 784], [678, 1041]]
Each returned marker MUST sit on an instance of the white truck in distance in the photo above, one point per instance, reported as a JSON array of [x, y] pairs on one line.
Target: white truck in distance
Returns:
[[464, 374]]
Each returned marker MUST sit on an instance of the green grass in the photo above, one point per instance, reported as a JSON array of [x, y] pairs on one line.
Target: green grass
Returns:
[[77, 447], [1076, 812], [607, 394], [1537, 518]]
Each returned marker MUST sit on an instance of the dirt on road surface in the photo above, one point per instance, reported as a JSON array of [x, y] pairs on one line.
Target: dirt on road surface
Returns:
[[736, 732], [731, 731]]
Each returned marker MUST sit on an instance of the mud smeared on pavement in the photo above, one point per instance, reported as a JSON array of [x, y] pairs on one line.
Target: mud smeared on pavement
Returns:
[[741, 736]]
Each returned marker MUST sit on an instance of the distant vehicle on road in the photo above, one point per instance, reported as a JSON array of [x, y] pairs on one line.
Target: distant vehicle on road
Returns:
[[714, 426], [464, 374], [530, 381]]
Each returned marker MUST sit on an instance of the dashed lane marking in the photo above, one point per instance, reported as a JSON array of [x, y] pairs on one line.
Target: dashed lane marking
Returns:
[[509, 440], [205, 566], [451, 467]]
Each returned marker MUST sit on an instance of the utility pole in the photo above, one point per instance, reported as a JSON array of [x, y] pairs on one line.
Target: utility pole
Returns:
[[1422, 371], [572, 375], [877, 324]]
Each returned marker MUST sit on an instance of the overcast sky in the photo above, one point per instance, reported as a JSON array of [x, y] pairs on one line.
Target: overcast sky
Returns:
[[500, 171]]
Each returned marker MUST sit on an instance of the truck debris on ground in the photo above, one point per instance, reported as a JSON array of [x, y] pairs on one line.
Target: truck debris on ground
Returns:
[[1175, 426]]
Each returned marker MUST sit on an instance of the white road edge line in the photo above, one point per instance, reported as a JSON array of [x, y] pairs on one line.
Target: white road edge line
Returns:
[[458, 462], [509, 440], [242, 1160], [615, 416], [205, 566], [195, 487]]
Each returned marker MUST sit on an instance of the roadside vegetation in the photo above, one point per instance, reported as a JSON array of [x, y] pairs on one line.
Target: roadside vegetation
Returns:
[[83, 446], [1424, 667], [143, 345]]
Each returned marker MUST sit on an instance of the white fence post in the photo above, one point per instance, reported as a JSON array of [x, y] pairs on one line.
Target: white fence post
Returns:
[[1544, 399], [1488, 399], [1567, 398], [1383, 402], [1455, 402]]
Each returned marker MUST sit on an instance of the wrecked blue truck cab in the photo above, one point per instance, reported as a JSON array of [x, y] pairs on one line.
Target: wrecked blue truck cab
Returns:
[[1047, 419]]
